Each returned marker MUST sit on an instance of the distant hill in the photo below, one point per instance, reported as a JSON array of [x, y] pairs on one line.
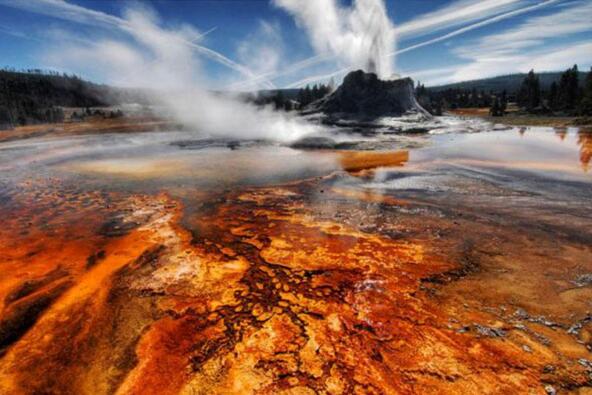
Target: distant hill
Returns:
[[510, 83]]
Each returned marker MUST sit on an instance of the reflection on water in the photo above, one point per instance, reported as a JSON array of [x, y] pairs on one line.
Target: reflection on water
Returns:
[[527, 173], [210, 168], [534, 149], [585, 143], [561, 133], [160, 159]]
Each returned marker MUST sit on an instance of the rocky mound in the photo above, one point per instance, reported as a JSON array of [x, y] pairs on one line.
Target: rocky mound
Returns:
[[364, 96]]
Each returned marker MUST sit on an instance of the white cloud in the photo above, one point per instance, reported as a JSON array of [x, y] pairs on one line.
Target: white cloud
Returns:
[[18, 34], [534, 31], [560, 58], [318, 78], [458, 13], [527, 46], [550, 59], [474, 26], [431, 77], [262, 51]]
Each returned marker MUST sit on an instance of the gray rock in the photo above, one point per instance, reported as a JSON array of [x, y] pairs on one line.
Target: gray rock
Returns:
[[364, 96], [583, 280], [585, 363], [521, 314], [489, 331], [314, 143]]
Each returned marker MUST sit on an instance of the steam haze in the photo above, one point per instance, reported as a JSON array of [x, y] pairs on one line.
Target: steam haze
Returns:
[[164, 62]]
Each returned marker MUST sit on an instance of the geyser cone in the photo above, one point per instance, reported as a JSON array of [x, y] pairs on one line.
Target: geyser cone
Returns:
[[364, 95]]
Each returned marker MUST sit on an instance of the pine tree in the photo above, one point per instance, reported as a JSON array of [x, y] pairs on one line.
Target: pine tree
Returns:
[[552, 97], [279, 100], [288, 105], [300, 97], [585, 107], [529, 96], [315, 92], [568, 92], [473, 101], [504, 102], [437, 108], [495, 110], [307, 96]]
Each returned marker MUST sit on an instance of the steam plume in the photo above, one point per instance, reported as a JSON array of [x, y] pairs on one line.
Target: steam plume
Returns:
[[163, 61], [359, 37]]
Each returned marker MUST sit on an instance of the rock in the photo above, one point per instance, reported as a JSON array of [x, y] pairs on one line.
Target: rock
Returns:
[[521, 314], [585, 363], [550, 390], [543, 321], [207, 143], [364, 96], [314, 143], [520, 326], [577, 327], [464, 329], [583, 280], [489, 331]]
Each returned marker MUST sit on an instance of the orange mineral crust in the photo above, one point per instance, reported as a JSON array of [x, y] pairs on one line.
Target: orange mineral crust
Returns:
[[293, 289]]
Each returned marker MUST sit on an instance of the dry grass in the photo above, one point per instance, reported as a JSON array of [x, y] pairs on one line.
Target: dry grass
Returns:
[[89, 126], [523, 120]]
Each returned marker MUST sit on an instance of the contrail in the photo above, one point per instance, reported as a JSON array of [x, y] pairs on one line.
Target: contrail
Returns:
[[289, 70], [474, 26], [310, 80], [202, 35], [18, 34], [455, 14], [75, 13]]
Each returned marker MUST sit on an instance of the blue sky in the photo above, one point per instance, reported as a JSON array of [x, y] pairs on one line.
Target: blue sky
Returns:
[[439, 41]]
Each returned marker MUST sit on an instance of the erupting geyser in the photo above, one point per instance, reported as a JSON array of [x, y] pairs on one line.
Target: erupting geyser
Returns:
[[360, 37]]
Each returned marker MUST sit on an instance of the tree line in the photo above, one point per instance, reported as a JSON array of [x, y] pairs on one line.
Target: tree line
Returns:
[[308, 95], [35, 96], [436, 102], [290, 100], [567, 96]]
